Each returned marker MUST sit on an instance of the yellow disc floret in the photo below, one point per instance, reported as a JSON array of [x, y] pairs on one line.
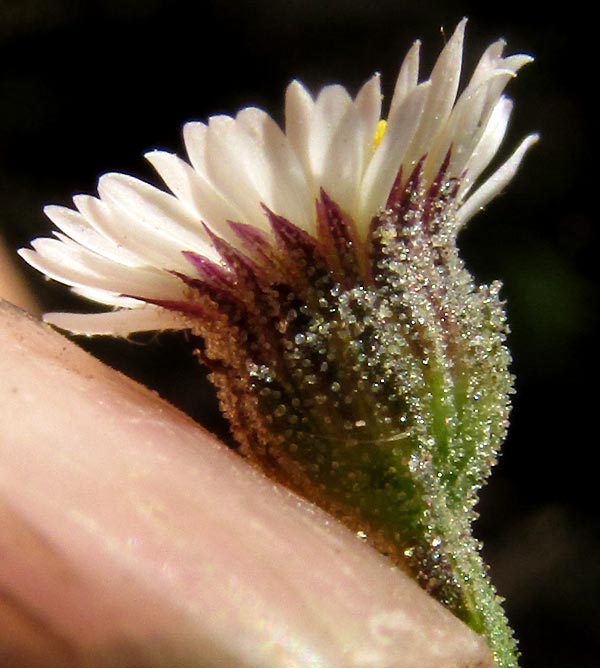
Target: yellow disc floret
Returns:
[[381, 126]]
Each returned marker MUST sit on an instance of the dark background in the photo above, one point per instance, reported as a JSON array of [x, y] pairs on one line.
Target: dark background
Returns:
[[87, 87]]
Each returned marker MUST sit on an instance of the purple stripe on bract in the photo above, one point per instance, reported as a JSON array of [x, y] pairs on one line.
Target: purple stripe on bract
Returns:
[[208, 271], [249, 279], [404, 201], [290, 236], [237, 262], [395, 195], [259, 246], [337, 232], [304, 261], [435, 196], [226, 298], [293, 242], [255, 240]]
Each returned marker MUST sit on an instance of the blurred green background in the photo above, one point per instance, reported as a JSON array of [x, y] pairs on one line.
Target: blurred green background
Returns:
[[87, 87]]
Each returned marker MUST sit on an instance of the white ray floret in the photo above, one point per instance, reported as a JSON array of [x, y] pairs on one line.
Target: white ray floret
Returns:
[[125, 248]]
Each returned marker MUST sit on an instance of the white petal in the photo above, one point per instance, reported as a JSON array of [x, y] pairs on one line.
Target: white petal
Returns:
[[368, 107], [181, 179], [351, 148], [445, 78], [340, 166], [122, 232], [107, 298], [488, 145], [194, 137], [408, 78], [75, 225], [239, 175], [495, 183], [496, 74], [510, 66], [299, 109], [74, 265], [488, 62], [515, 62], [492, 62], [463, 129], [385, 164], [332, 107], [227, 169], [166, 224], [273, 167], [118, 323], [196, 192]]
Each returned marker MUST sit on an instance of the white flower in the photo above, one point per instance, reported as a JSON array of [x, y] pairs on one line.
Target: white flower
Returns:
[[131, 247]]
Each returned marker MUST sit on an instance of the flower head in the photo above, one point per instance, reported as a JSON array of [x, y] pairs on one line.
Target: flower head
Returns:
[[353, 354], [138, 248]]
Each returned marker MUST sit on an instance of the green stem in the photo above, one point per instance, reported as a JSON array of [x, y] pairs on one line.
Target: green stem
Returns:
[[472, 595]]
